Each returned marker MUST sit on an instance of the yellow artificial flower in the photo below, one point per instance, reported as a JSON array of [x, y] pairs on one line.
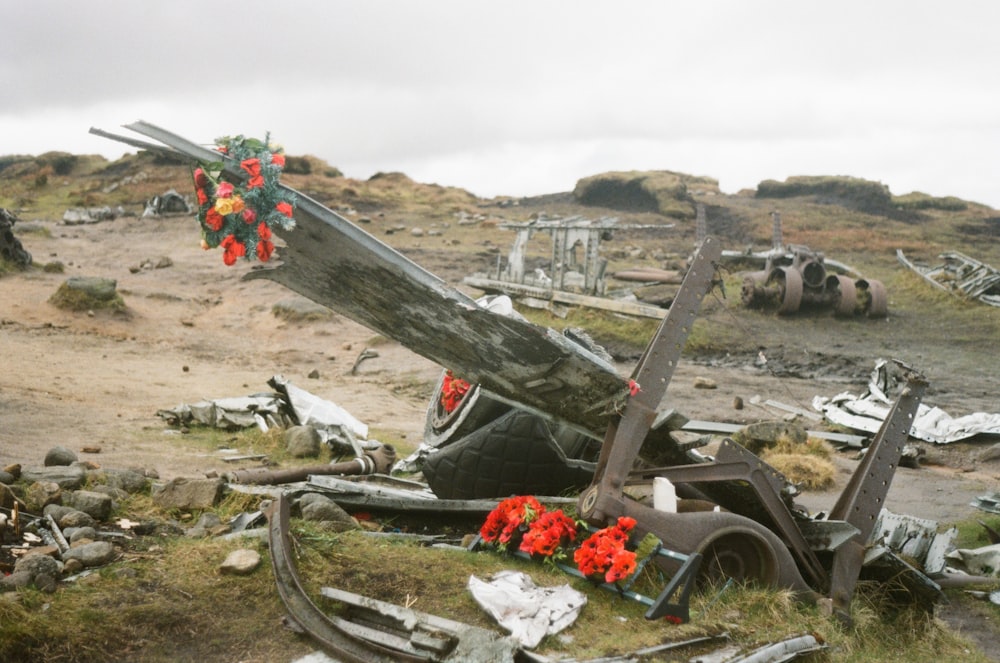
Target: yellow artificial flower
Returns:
[[224, 206]]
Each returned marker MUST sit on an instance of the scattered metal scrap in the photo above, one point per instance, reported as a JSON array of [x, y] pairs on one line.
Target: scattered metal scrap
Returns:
[[960, 275], [570, 280], [931, 424], [795, 277], [287, 405], [989, 503], [757, 534]]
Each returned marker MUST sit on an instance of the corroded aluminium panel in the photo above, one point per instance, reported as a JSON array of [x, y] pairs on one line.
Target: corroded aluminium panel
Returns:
[[334, 263]]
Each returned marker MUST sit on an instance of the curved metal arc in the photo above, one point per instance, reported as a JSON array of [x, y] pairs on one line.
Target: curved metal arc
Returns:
[[337, 636]]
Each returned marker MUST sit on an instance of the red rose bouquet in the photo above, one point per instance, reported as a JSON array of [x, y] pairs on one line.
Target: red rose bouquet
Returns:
[[239, 215]]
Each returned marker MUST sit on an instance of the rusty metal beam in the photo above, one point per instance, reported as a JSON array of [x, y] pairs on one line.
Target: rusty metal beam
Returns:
[[864, 496]]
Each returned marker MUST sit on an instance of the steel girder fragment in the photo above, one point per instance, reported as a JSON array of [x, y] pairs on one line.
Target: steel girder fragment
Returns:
[[863, 498]]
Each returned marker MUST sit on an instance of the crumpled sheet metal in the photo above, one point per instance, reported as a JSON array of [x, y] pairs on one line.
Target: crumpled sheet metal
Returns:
[[335, 425], [331, 421], [914, 538], [227, 413], [931, 424], [983, 561], [989, 503], [527, 611]]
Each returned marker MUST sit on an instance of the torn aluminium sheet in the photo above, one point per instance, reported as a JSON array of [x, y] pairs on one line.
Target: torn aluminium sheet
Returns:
[[932, 424], [286, 406], [227, 413]]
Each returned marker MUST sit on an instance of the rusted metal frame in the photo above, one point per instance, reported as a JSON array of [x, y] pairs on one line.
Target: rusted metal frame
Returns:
[[338, 636], [683, 532], [750, 472], [864, 496], [652, 375]]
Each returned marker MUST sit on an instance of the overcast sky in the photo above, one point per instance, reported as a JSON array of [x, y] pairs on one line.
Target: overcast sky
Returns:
[[520, 98]]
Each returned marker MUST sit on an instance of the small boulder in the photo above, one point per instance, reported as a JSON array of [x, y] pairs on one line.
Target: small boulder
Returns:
[[303, 442], [95, 553], [96, 505], [76, 518], [83, 293], [69, 477], [41, 494], [320, 508], [130, 481], [78, 534], [59, 456], [240, 562], [188, 494]]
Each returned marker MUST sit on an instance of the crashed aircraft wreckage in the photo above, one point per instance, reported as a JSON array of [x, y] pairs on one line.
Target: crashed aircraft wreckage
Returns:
[[960, 275], [752, 530], [795, 278]]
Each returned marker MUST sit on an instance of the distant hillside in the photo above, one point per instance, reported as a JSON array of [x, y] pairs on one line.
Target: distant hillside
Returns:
[[835, 214]]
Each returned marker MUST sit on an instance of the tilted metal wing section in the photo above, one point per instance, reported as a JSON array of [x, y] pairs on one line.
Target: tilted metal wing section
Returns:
[[334, 263]]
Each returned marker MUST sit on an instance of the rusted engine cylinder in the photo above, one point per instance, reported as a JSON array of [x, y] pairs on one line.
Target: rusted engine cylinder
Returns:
[[813, 273], [754, 293]]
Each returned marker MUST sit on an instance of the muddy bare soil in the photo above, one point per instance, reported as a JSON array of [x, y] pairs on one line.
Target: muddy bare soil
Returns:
[[194, 330]]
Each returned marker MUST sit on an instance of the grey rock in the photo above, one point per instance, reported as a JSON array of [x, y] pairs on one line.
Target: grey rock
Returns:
[[77, 534], [72, 566], [57, 511], [69, 477], [41, 494], [116, 494], [91, 554], [323, 509], [60, 456], [76, 518], [94, 504], [38, 564], [770, 432], [188, 494], [303, 442], [207, 524], [96, 287], [6, 477], [130, 481], [240, 562], [16, 580], [45, 583], [701, 382]]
